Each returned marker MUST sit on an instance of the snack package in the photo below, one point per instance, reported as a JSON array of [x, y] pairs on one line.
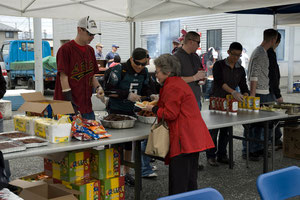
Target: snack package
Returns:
[[83, 129]]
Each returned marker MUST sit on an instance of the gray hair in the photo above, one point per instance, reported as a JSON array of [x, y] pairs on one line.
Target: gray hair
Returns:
[[168, 63]]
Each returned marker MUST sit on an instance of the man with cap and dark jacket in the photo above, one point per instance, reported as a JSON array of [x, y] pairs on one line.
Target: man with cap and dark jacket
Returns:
[[110, 55]]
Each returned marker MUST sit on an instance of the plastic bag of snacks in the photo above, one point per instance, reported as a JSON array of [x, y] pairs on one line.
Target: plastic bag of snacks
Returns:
[[83, 129]]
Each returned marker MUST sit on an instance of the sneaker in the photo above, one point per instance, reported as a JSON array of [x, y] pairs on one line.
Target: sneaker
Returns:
[[154, 168], [252, 157], [212, 162], [224, 160], [129, 180], [152, 175]]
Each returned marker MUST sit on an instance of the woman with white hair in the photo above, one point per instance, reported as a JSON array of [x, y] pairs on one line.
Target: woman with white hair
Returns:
[[188, 133]]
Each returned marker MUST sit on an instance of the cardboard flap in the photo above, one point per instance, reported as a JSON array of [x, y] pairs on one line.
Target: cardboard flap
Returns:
[[35, 96], [25, 184], [62, 107], [33, 107]]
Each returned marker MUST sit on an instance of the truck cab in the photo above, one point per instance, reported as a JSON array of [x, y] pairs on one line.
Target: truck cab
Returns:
[[18, 57]]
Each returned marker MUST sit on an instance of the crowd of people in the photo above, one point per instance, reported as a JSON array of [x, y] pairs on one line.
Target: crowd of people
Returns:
[[179, 79]]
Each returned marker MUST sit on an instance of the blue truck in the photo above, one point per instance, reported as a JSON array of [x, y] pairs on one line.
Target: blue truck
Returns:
[[18, 57]]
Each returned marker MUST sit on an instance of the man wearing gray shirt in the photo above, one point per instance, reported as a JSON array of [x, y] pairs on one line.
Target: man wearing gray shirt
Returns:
[[258, 75]]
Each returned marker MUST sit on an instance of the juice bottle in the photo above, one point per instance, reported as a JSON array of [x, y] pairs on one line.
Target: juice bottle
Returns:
[[256, 104], [250, 101]]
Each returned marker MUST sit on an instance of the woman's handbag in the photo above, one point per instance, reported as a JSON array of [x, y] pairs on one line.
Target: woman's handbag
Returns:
[[158, 140]]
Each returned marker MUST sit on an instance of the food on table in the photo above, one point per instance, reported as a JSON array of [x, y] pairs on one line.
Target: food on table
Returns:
[[116, 117], [145, 103], [14, 135], [146, 113], [31, 140]]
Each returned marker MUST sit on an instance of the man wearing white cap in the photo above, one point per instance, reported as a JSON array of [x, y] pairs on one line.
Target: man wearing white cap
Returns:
[[76, 66]]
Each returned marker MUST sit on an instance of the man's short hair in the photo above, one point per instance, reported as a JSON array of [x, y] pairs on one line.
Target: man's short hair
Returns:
[[235, 46], [139, 53], [191, 35], [278, 38], [270, 34]]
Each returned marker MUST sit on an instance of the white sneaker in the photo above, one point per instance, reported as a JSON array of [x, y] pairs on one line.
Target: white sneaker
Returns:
[[153, 175], [154, 168]]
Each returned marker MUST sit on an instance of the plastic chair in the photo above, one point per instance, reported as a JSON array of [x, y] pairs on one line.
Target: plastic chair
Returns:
[[201, 194], [280, 184]]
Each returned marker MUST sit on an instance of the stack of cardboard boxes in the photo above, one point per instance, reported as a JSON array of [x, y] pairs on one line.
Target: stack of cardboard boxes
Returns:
[[95, 173]]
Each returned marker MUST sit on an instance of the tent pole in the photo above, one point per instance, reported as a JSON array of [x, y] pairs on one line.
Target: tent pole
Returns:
[[38, 56], [291, 59], [134, 34], [131, 39], [275, 21]]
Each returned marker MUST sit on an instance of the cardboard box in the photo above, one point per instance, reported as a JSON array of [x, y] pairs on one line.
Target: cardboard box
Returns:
[[38, 177], [105, 163], [89, 188], [113, 188], [24, 123], [73, 167], [37, 105], [44, 191], [291, 142]]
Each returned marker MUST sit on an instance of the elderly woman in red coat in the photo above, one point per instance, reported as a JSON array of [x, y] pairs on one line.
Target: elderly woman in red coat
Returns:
[[188, 132]]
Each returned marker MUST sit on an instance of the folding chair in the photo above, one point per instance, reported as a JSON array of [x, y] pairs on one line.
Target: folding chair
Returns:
[[280, 184], [201, 194]]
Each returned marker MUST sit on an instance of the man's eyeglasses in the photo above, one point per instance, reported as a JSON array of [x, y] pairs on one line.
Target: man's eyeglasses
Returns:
[[239, 55], [196, 41], [90, 34], [139, 63]]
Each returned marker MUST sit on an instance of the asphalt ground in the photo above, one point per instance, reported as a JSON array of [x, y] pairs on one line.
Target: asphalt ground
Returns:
[[238, 183]]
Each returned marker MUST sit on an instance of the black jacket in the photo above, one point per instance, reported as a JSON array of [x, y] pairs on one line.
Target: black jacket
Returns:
[[2, 85], [274, 74]]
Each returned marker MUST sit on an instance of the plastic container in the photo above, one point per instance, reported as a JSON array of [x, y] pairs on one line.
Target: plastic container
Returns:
[[256, 104]]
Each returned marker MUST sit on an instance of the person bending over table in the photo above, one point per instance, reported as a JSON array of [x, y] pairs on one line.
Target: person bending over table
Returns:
[[188, 132]]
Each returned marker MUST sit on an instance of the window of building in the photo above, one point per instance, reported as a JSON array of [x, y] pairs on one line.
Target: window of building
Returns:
[[281, 46], [214, 39], [152, 46], [9, 34], [169, 30]]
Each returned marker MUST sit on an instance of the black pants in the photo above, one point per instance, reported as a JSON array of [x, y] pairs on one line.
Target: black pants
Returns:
[[183, 173], [221, 144]]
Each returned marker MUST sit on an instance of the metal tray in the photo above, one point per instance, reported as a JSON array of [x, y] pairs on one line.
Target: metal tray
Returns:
[[291, 108], [118, 124], [13, 146], [146, 120], [33, 144], [14, 132]]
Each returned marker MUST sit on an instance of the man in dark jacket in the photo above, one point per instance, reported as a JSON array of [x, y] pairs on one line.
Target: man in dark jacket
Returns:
[[228, 74], [274, 76]]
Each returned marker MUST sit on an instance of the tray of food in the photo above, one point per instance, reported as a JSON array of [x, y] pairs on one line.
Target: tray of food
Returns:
[[14, 134], [272, 109], [118, 121], [147, 117], [9, 146], [145, 103], [32, 141], [290, 108]]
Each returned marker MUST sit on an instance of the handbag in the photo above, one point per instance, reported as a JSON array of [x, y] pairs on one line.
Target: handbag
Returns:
[[158, 144]]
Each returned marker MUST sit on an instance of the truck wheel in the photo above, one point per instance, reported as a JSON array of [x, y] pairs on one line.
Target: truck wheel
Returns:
[[31, 84], [10, 83]]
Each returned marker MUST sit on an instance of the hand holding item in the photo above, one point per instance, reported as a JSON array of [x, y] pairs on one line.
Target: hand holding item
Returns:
[[154, 97], [200, 75], [148, 107], [100, 92], [133, 97], [279, 100], [238, 96]]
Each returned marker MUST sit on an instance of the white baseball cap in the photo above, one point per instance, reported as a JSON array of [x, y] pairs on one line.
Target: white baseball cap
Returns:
[[89, 24]]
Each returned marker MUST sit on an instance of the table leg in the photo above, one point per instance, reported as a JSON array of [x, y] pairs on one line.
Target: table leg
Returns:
[[137, 171], [247, 128], [266, 137], [230, 148]]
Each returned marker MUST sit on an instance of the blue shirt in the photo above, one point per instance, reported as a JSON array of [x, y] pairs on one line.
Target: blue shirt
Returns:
[[109, 56]]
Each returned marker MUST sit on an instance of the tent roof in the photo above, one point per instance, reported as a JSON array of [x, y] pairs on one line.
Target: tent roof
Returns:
[[128, 10]]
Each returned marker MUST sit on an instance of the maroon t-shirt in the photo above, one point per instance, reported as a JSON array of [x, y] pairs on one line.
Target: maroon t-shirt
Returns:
[[80, 67]]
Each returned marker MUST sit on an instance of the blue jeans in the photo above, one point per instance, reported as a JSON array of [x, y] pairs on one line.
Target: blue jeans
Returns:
[[208, 88], [90, 115], [255, 131], [146, 167], [221, 144]]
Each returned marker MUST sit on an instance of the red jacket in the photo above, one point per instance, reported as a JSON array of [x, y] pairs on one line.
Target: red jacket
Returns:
[[188, 132]]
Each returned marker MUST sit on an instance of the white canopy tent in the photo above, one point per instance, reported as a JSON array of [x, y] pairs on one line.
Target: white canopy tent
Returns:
[[120, 10]]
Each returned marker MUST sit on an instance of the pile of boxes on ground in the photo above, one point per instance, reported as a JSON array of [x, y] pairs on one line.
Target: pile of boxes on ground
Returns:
[[94, 174]]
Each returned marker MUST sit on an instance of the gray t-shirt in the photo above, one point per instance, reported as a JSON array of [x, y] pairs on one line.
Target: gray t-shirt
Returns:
[[258, 70], [190, 63]]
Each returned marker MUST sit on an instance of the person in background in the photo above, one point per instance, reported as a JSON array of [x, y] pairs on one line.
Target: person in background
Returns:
[[228, 74], [76, 66], [127, 83], [110, 55], [258, 76], [117, 60], [99, 54], [176, 44], [274, 76], [188, 132], [245, 60], [210, 79]]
